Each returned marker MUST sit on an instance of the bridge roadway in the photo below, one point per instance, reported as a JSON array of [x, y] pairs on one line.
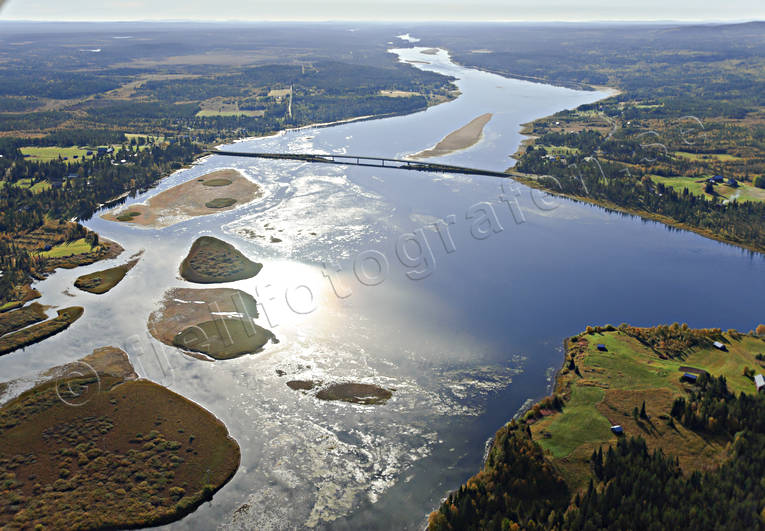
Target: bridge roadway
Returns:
[[374, 162]]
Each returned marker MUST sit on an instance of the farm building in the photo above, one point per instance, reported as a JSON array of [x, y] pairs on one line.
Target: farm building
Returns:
[[759, 382], [617, 429], [719, 345], [602, 347], [690, 377]]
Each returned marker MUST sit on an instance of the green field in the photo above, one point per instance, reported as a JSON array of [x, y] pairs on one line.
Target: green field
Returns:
[[607, 386], [561, 150], [67, 249], [721, 157], [38, 187], [156, 139], [212, 112], [49, 153], [580, 424], [695, 185]]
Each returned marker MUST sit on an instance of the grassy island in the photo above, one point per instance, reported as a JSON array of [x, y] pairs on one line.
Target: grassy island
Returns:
[[646, 426], [224, 339], [131, 454], [25, 336], [354, 393], [197, 197], [212, 261], [102, 281], [217, 323]]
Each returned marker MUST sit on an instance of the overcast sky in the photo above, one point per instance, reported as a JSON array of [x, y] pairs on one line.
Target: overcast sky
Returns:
[[379, 10]]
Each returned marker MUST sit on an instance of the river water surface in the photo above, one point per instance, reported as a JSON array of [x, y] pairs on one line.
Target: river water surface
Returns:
[[465, 335]]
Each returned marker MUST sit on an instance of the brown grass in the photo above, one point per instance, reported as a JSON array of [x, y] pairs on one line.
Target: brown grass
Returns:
[[186, 201], [38, 332], [16, 319], [182, 308], [356, 393], [102, 281], [212, 261], [133, 455]]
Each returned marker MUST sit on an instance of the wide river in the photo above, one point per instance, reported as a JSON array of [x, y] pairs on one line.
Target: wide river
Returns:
[[466, 324]]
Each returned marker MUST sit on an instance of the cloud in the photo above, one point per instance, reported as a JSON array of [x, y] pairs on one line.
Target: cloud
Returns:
[[403, 10]]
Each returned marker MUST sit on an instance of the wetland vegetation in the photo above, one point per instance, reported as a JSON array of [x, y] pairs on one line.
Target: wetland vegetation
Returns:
[[190, 199], [132, 454], [103, 281], [352, 392], [212, 261], [224, 338], [22, 336]]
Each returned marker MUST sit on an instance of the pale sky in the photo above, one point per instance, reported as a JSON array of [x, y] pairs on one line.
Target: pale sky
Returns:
[[383, 10]]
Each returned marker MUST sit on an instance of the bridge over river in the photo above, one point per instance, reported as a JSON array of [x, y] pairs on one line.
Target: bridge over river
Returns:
[[374, 162]]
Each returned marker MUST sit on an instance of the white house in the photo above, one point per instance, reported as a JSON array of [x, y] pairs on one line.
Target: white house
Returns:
[[759, 382]]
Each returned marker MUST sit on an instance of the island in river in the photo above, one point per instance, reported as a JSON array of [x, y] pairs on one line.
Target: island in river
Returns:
[[647, 427], [130, 454], [215, 192], [213, 261], [27, 325], [466, 136], [101, 282], [214, 323], [352, 392]]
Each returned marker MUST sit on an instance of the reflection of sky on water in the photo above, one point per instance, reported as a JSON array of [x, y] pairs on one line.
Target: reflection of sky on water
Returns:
[[463, 348]]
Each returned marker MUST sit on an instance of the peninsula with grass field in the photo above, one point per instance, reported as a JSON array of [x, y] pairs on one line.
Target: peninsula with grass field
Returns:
[[130, 454], [646, 425], [466, 136], [213, 261]]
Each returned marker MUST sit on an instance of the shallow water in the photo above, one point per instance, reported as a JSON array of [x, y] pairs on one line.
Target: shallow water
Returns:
[[464, 337]]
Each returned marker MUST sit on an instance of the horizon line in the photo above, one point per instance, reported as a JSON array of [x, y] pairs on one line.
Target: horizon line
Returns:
[[392, 21]]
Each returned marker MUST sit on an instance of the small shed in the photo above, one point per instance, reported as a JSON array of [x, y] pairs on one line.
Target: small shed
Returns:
[[602, 347], [759, 382], [617, 429], [690, 377], [719, 346]]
